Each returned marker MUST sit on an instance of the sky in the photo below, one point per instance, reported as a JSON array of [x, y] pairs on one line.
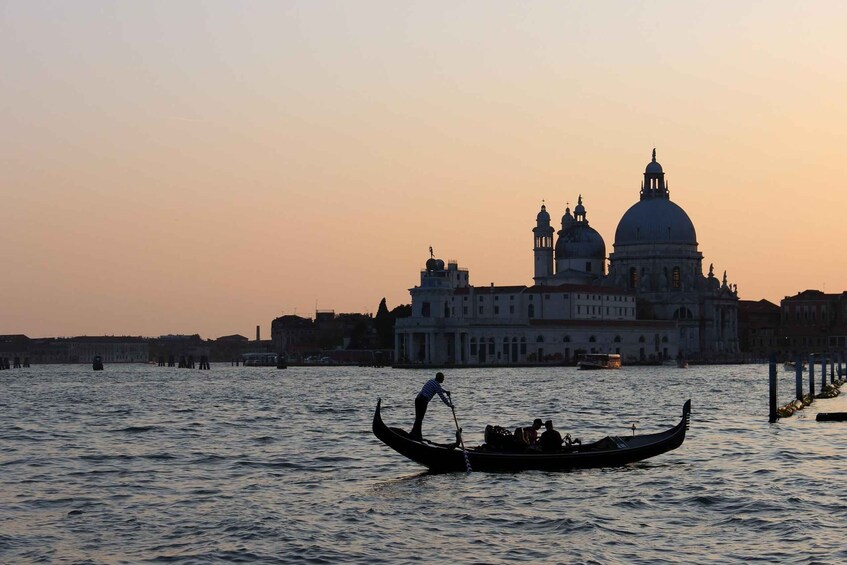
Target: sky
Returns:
[[204, 167]]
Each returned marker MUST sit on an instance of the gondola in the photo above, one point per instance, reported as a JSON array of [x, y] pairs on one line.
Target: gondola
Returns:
[[611, 451]]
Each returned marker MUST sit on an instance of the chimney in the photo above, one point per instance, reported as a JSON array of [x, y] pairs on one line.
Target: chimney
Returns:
[[258, 335]]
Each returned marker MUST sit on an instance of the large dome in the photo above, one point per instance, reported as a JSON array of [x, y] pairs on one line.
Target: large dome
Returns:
[[655, 220]]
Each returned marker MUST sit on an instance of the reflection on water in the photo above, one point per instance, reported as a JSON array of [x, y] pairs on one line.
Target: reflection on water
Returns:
[[255, 464]]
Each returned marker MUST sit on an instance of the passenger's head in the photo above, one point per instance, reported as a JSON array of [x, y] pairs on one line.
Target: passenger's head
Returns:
[[536, 424], [548, 424], [439, 376]]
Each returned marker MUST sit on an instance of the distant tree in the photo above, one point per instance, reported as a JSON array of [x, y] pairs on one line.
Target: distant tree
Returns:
[[385, 319], [384, 324], [402, 311]]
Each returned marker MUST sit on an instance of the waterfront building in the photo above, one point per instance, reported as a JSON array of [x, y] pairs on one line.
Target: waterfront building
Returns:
[[654, 303], [813, 321], [758, 327]]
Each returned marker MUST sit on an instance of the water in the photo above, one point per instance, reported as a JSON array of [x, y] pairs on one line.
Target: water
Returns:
[[146, 464]]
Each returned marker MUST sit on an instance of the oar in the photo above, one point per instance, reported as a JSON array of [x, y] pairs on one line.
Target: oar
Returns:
[[459, 435]]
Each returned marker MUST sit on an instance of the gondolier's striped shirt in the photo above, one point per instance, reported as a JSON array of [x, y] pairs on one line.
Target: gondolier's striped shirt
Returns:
[[431, 388]]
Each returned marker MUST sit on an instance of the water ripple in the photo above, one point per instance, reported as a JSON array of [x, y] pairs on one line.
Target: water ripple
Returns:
[[150, 464]]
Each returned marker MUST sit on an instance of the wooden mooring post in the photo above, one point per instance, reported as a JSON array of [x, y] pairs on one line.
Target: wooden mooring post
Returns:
[[812, 375], [772, 415], [798, 377], [823, 371]]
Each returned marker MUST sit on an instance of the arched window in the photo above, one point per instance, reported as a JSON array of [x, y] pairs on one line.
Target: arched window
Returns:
[[664, 339], [592, 339], [540, 339], [491, 346], [641, 339], [682, 313], [675, 279], [473, 346], [617, 339], [566, 339]]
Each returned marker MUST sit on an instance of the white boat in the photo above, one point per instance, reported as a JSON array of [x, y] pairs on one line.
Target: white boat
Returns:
[[260, 359], [591, 361]]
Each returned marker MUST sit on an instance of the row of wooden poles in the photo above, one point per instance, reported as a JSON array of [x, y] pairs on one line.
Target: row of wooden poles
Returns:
[[825, 360], [6, 363], [185, 362]]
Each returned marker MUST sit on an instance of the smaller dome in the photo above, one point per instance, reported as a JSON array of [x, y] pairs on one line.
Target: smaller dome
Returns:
[[567, 219], [543, 215], [439, 265], [431, 264], [580, 209], [653, 167]]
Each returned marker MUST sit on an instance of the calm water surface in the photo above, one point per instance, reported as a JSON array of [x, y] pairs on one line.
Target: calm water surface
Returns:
[[141, 463]]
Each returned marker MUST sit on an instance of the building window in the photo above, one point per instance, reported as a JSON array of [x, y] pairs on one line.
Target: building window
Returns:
[[531, 311], [675, 281], [491, 346], [480, 310], [588, 266], [465, 310], [633, 277], [496, 310], [592, 339], [473, 346], [617, 339], [425, 307], [512, 309]]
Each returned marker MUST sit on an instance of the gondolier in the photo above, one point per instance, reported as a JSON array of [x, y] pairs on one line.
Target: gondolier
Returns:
[[430, 389]]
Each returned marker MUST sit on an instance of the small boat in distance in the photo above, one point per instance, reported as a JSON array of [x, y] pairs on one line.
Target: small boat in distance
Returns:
[[591, 361], [610, 451], [259, 359]]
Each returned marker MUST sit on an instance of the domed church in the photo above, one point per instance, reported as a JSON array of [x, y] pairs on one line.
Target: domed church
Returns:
[[653, 304], [655, 254]]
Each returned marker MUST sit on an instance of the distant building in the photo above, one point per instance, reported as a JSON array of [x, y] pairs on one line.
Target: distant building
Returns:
[[758, 327], [111, 349], [334, 335], [813, 322], [179, 345]]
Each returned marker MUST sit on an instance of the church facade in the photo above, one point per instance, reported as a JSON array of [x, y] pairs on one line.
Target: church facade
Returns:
[[654, 303]]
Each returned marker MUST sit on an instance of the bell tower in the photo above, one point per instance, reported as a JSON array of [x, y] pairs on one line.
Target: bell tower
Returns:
[[543, 246]]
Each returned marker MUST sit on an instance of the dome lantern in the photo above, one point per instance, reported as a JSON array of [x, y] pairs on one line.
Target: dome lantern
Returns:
[[654, 180]]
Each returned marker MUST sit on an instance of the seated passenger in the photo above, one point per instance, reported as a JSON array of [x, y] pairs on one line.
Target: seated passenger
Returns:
[[551, 440], [531, 433], [520, 438]]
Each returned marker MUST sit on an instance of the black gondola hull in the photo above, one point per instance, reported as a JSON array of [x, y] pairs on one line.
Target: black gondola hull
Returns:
[[447, 458]]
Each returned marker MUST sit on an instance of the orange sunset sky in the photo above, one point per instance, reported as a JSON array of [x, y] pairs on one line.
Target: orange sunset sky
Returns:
[[203, 167]]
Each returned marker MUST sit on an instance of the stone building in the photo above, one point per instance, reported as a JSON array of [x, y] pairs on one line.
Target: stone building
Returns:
[[653, 304]]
